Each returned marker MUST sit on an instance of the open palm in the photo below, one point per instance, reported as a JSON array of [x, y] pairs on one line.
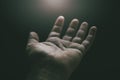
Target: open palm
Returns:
[[66, 51]]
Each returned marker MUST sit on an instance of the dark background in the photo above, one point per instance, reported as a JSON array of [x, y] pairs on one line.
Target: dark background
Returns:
[[17, 20]]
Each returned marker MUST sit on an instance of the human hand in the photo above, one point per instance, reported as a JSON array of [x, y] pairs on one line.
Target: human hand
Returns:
[[61, 53]]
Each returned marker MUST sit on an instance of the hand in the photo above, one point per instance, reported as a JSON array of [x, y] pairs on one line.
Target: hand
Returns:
[[65, 52]]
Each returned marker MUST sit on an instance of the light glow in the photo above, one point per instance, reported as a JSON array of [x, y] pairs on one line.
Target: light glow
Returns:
[[54, 5]]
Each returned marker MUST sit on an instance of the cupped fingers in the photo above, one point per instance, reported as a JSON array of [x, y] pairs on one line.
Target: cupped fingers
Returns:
[[80, 35], [90, 37], [71, 30]]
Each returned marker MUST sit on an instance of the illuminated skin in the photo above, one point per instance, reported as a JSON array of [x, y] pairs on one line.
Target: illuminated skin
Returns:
[[57, 58]]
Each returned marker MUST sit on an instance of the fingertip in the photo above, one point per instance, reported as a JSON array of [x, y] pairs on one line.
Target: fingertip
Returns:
[[84, 23], [59, 21], [94, 28], [61, 17], [84, 26], [76, 21], [34, 35]]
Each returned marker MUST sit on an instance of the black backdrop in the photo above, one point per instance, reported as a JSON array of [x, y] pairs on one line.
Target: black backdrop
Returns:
[[16, 21]]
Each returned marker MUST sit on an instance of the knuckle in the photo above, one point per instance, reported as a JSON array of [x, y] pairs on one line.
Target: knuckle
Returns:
[[30, 46], [53, 34], [77, 39], [70, 31], [66, 37], [79, 47], [86, 42], [56, 28], [90, 36], [53, 39], [80, 33]]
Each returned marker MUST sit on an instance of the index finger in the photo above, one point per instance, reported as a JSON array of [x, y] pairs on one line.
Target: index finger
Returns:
[[57, 28]]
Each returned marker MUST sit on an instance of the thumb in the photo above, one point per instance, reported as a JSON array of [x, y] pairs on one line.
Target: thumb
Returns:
[[33, 37]]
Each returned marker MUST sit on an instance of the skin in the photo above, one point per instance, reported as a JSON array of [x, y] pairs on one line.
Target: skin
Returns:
[[57, 58]]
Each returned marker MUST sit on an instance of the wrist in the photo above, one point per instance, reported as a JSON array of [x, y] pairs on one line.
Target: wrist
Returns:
[[48, 71]]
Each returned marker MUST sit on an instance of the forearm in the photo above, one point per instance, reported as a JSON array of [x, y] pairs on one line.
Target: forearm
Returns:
[[47, 72], [44, 74]]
